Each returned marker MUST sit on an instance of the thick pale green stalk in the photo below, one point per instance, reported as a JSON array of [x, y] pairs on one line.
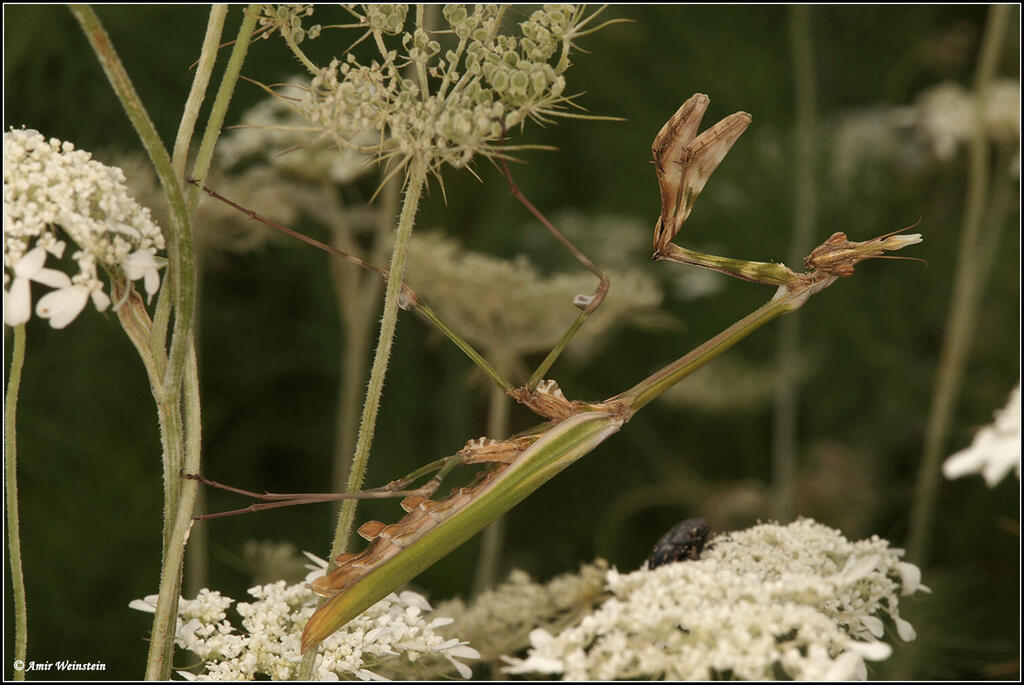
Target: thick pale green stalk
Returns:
[[963, 309], [219, 109], [180, 442], [650, 388], [204, 69], [804, 209], [196, 552], [346, 517], [368, 421], [135, 321], [553, 451], [11, 493]]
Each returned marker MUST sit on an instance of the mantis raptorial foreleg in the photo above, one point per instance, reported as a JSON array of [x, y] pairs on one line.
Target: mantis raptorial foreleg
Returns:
[[410, 301], [586, 303], [684, 161]]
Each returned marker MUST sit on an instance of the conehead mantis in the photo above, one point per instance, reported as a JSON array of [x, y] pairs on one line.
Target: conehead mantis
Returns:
[[514, 468]]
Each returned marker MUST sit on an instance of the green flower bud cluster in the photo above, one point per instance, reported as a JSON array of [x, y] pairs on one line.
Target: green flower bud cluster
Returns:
[[287, 19], [446, 102]]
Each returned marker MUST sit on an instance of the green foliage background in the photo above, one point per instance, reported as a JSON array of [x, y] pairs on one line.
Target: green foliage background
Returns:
[[270, 338]]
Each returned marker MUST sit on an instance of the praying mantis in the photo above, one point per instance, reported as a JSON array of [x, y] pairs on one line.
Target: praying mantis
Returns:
[[515, 467]]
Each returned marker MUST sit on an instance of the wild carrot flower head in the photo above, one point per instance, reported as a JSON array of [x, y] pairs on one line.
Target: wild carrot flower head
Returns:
[[798, 601], [395, 633], [49, 185], [510, 308], [442, 103]]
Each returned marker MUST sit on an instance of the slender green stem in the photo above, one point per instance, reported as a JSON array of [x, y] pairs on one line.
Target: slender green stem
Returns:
[[966, 297], [489, 560], [11, 492], [180, 446], [299, 54], [220, 103], [410, 205], [207, 58], [804, 210], [960, 323], [181, 259], [357, 296], [357, 473]]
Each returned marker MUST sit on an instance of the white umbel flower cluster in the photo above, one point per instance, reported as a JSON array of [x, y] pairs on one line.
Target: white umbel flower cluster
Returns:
[[995, 450], [499, 620], [797, 601], [507, 306], [396, 632], [49, 185], [933, 129]]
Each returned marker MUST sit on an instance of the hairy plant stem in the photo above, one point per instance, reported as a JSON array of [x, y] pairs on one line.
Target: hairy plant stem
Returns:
[[784, 447], [963, 309], [173, 377], [181, 258], [371, 404], [11, 496], [413, 190], [204, 69], [219, 110], [358, 296], [196, 553]]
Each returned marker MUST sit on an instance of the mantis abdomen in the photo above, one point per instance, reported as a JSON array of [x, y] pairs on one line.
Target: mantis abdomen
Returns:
[[399, 552]]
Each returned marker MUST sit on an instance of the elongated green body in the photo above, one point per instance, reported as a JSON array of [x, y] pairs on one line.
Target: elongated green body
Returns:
[[554, 450]]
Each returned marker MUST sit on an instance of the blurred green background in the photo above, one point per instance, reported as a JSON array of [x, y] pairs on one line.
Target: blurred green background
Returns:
[[89, 474]]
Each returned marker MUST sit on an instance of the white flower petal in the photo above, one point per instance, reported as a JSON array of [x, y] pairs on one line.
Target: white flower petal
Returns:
[[540, 637], [465, 671], [414, 599], [904, 629], [440, 621], [62, 306], [52, 278], [910, 577], [464, 652], [872, 651], [857, 568], [873, 624], [152, 281], [321, 563], [30, 263], [17, 303], [147, 604], [139, 262], [847, 666], [101, 301]]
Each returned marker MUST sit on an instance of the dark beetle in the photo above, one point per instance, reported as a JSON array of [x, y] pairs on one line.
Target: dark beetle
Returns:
[[685, 541]]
